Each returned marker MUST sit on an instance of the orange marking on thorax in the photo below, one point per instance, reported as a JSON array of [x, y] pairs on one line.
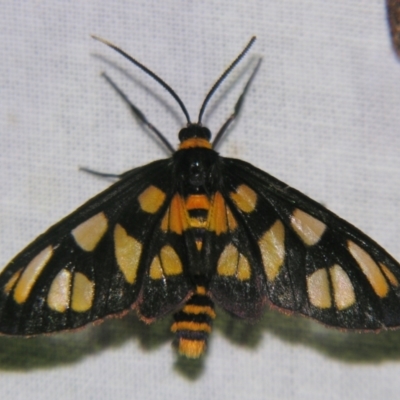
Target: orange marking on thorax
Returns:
[[195, 142]]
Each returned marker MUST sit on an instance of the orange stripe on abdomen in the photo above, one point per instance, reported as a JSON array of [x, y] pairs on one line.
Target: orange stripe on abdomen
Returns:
[[193, 324], [197, 201], [197, 206]]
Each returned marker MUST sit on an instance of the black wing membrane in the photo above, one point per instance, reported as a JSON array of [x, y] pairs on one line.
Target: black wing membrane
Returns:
[[308, 259], [96, 261]]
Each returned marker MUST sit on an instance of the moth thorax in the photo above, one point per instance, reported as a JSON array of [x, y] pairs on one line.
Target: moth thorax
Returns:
[[193, 324]]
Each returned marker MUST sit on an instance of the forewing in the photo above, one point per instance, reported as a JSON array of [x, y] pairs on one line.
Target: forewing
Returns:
[[96, 261], [310, 260]]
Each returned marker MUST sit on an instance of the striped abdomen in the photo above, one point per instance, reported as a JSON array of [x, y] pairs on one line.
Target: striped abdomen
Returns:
[[193, 324]]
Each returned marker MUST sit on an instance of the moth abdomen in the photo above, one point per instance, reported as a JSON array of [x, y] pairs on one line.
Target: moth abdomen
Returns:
[[193, 324]]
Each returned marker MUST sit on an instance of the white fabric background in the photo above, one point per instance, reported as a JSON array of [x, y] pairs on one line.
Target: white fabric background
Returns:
[[322, 115]]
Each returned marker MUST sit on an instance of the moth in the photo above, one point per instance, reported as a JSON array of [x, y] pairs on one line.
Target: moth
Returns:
[[182, 234]]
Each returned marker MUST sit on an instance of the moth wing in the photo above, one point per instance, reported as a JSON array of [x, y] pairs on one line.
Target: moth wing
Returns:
[[97, 261], [304, 257]]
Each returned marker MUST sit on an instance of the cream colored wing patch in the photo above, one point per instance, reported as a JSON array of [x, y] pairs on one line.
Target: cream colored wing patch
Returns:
[[170, 261], [127, 252], [167, 263], [12, 281], [389, 275], [89, 233], [272, 247], [308, 228], [156, 271], [71, 290], [82, 293], [151, 199], [30, 275], [245, 198], [370, 269], [320, 290], [59, 295], [233, 263], [343, 289]]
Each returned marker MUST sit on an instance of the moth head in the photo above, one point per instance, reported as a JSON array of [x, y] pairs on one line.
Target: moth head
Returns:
[[194, 131]]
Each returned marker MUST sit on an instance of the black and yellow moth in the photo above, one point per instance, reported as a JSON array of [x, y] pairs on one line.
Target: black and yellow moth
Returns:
[[184, 233]]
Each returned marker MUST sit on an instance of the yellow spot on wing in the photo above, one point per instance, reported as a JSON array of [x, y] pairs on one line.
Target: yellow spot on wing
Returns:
[[191, 348], [30, 275], [307, 227], [244, 198], [343, 289], [156, 271], [60, 291], [228, 261], [151, 199], [370, 269], [318, 289], [89, 233], [170, 261], [10, 284], [82, 293], [272, 247], [243, 271], [233, 263], [389, 274], [127, 252]]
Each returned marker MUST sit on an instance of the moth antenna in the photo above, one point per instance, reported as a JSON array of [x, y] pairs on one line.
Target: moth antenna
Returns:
[[148, 72], [223, 76]]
